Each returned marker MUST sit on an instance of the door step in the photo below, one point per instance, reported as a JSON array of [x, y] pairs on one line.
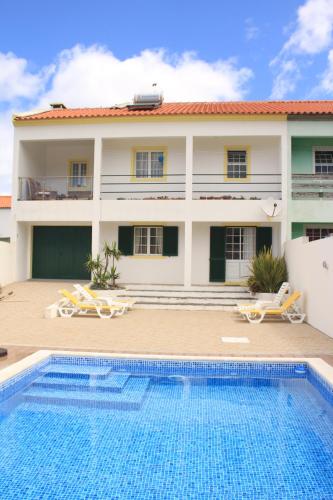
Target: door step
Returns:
[[222, 298]]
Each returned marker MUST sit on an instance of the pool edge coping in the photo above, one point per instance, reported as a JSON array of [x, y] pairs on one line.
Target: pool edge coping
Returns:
[[321, 367]]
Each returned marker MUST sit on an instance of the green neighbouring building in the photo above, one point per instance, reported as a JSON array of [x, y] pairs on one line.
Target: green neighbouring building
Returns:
[[310, 210]]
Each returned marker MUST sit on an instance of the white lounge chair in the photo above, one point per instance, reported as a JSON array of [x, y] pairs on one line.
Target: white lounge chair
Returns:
[[89, 294], [288, 310], [266, 304], [71, 304]]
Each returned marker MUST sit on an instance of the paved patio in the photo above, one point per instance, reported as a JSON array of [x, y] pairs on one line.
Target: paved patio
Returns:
[[24, 330]]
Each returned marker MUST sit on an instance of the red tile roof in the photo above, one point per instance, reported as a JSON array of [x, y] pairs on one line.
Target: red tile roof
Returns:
[[5, 201], [191, 108]]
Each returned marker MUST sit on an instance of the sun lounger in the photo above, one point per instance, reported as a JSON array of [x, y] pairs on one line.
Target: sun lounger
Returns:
[[84, 293], [88, 293], [70, 305], [288, 310], [265, 304]]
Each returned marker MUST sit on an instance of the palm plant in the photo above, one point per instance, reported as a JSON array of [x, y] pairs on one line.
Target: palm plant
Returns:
[[99, 267], [267, 272]]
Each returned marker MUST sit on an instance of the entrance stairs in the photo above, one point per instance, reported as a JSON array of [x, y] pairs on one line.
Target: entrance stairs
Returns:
[[213, 298]]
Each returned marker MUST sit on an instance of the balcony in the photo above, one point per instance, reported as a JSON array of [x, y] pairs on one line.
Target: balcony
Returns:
[[55, 188], [125, 187], [312, 186], [210, 186]]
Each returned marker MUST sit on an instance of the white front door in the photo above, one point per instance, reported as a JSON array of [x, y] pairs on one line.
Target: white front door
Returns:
[[240, 248]]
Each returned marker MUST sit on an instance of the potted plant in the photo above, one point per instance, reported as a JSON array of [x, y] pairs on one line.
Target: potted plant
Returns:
[[267, 273]]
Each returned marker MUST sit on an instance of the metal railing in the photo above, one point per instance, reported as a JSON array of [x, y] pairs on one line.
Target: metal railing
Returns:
[[55, 188], [312, 186], [210, 186], [126, 187]]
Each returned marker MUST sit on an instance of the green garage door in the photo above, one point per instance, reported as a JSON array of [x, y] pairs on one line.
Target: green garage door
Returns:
[[60, 252]]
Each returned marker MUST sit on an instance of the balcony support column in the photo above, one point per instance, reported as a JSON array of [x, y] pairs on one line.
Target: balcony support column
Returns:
[[188, 253], [189, 167], [95, 243], [95, 235]]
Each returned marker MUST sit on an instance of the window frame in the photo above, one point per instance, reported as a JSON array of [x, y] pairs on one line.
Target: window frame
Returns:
[[243, 253], [149, 244], [247, 150], [149, 150], [320, 228], [314, 150], [71, 185]]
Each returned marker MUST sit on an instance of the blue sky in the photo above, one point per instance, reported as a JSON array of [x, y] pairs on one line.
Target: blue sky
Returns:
[[97, 53]]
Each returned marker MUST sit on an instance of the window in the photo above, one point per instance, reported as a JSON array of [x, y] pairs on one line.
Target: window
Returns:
[[148, 240], [236, 164], [78, 174], [316, 233], [149, 164], [323, 159], [240, 243]]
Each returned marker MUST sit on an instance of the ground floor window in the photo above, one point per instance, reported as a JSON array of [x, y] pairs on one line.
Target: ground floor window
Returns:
[[240, 243], [148, 240], [316, 233]]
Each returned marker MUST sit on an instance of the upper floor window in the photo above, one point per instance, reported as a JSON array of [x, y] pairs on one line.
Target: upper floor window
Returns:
[[148, 240], [149, 164], [316, 233], [323, 161], [236, 163], [78, 174]]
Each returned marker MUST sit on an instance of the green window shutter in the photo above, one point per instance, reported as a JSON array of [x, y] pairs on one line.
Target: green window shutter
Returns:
[[217, 254], [297, 230], [126, 239], [170, 241], [263, 238]]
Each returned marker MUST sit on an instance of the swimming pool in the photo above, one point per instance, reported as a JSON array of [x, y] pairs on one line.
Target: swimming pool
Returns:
[[100, 428]]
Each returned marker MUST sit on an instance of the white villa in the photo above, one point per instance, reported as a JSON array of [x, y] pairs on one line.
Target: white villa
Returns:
[[189, 191]]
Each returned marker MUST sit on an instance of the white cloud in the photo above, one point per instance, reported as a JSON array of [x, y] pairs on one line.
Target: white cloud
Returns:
[[93, 76], [251, 30], [6, 145], [285, 81], [15, 79], [326, 84], [312, 35], [314, 27]]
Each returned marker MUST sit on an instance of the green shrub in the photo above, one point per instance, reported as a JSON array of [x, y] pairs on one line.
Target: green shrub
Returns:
[[102, 276], [267, 273]]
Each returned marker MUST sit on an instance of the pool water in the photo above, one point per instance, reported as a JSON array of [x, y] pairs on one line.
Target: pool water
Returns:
[[148, 431]]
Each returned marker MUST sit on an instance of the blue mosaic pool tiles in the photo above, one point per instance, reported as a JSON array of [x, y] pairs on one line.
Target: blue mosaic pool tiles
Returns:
[[186, 367], [21, 380], [322, 385]]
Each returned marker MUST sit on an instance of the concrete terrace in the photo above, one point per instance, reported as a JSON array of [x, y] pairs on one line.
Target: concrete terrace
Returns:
[[24, 330]]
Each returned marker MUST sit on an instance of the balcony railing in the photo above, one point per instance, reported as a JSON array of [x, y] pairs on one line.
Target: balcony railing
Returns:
[[312, 186], [210, 186], [125, 187], [55, 188]]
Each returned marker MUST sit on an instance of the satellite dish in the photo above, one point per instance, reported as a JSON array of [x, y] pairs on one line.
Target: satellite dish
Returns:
[[271, 207]]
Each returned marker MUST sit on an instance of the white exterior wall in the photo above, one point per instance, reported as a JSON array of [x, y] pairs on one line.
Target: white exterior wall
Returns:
[[310, 268], [111, 152], [117, 159], [201, 249], [5, 222], [147, 269], [6, 263], [263, 159]]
